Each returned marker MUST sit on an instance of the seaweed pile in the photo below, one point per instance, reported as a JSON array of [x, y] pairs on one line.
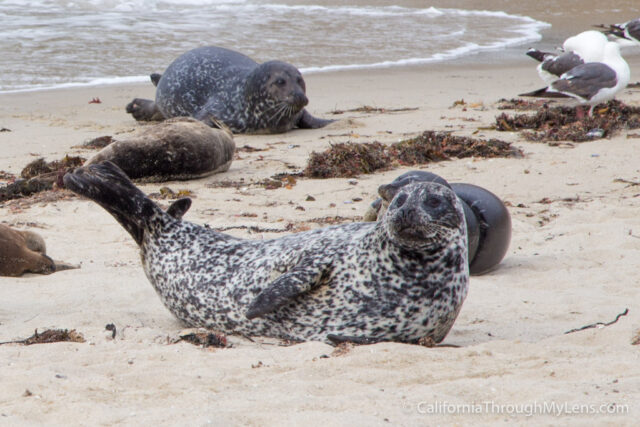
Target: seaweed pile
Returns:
[[563, 124], [350, 159], [50, 336], [38, 176]]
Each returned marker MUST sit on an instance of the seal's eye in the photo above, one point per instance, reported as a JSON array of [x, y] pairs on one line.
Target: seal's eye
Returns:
[[432, 202], [280, 82], [399, 201]]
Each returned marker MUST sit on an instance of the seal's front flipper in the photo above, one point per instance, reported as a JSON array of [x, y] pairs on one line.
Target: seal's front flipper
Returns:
[[304, 276], [144, 110], [340, 339], [178, 208], [307, 121]]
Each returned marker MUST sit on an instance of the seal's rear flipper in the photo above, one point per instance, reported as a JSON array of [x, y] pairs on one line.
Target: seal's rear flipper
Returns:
[[107, 185], [178, 208], [304, 276], [155, 78], [144, 110], [307, 121], [341, 339]]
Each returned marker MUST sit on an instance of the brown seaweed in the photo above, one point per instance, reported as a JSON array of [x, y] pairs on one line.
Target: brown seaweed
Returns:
[[552, 124], [351, 159], [50, 336], [204, 339]]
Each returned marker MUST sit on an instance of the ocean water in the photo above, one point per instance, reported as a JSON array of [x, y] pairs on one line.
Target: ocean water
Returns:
[[59, 43]]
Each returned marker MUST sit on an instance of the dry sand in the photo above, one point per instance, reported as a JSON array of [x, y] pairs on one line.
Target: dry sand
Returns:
[[571, 263]]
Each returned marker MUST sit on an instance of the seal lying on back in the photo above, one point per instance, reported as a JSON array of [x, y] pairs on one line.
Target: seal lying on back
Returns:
[[216, 84], [400, 279]]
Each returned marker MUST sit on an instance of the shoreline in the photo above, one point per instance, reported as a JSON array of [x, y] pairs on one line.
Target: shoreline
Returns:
[[573, 261]]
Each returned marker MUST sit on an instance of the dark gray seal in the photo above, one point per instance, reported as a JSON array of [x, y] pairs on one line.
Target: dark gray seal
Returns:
[[177, 149], [216, 84], [399, 279]]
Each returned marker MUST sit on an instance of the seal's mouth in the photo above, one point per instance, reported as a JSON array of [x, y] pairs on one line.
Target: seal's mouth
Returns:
[[298, 100]]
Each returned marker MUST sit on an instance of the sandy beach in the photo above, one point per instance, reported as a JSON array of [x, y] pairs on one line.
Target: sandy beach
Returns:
[[573, 261]]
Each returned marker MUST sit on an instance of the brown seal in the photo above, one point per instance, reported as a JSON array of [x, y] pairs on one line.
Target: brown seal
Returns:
[[176, 149], [23, 252]]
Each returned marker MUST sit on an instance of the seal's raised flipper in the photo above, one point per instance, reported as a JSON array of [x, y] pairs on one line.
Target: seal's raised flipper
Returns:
[[340, 339], [307, 121], [144, 110], [155, 78], [304, 276], [178, 208], [107, 185]]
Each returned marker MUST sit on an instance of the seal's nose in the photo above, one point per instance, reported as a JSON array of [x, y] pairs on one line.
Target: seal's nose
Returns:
[[299, 99]]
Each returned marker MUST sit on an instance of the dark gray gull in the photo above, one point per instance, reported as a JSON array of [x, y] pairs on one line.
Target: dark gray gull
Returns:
[[629, 31], [591, 83], [587, 46]]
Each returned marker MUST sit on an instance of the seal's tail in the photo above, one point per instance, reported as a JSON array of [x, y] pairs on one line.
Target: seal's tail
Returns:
[[107, 185]]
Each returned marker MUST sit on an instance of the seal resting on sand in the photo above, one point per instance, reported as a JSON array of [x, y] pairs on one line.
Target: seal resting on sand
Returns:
[[399, 279], [217, 84], [23, 252], [488, 220], [177, 149]]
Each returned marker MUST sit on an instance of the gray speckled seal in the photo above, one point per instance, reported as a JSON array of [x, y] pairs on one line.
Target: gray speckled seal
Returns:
[[400, 279], [216, 84]]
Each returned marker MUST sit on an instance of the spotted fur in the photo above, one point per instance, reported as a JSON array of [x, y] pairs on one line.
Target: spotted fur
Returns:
[[399, 279], [213, 84]]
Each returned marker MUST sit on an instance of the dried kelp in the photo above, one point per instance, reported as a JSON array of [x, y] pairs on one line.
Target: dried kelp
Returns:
[[551, 124], [520, 104], [40, 166], [204, 339], [348, 160], [50, 336], [351, 159], [39, 176]]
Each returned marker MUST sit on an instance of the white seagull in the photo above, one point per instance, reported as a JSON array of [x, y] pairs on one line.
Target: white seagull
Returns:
[[587, 46], [629, 31], [590, 83]]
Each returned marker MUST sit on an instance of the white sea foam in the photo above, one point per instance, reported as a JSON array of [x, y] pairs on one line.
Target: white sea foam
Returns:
[[55, 43]]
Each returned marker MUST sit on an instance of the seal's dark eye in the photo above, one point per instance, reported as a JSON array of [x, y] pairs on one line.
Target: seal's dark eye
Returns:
[[432, 202], [399, 200], [280, 82]]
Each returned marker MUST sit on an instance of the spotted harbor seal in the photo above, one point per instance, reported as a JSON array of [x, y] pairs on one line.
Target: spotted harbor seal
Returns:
[[488, 220], [177, 149], [399, 279], [23, 252], [214, 83]]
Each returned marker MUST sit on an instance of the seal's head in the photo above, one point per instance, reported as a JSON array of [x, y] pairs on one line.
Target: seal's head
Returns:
[[277, 89], [424, 216], [387, 191]]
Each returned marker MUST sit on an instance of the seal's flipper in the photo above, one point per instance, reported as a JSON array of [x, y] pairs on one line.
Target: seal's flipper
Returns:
[[303, 277], [155, 78], [178, 208], [144, 110], [307, 121], [107, 185], [340, 339]]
